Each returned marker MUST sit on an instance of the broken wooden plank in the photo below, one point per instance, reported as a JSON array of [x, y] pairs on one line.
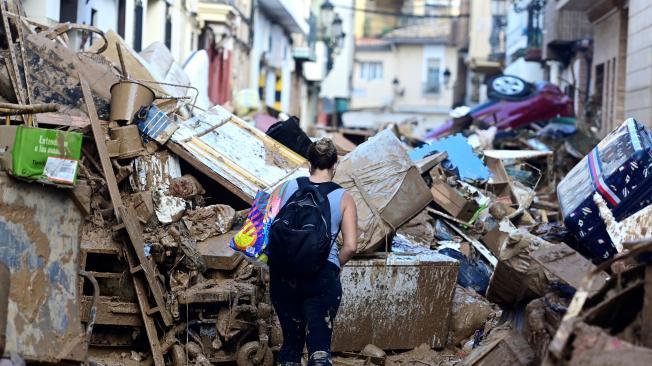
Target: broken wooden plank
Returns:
[[445, 216], [572, 317], [54, 76], [10, 109], [192, 160], [111, 311], [23, 59], [646, 322], [100, 142], [64, 120], [429, 162], [14, 74], [612, 303]]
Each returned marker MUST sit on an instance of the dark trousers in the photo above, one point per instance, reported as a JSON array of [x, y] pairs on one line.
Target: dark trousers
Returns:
[[306, 308]]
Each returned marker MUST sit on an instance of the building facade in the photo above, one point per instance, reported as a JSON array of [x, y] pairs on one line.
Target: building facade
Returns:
[[481, 41], [336, 87], [139, 22], [618, 54], [524, 32], [567, 40], [373, 18], [235, 44], [410, 70], [271, 58]]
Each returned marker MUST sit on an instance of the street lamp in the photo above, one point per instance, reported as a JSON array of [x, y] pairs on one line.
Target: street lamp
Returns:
[[331, 31], [337, 33], [447, 77], [336, 28]]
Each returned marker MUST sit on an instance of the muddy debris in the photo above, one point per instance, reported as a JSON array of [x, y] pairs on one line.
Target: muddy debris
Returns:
[[485, 246]]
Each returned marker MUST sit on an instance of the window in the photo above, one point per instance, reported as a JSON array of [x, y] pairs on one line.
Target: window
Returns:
[[138, 26], [168, 26], [432, 76], [121, 17], [93, 23], [370, 71]]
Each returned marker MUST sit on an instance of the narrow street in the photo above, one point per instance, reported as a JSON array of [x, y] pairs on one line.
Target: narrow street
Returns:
[[334, 182]]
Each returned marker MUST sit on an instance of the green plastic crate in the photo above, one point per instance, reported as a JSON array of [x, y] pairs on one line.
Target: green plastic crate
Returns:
[[48, 156]]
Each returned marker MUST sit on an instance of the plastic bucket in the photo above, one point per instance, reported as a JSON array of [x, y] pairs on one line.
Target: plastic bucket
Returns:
[[127, 97]]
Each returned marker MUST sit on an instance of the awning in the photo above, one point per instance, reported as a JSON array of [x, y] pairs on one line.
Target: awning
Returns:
[[484, 66], [286, 13]]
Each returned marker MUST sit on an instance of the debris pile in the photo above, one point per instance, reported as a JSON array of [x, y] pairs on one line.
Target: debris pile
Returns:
[[158, 184], [476, 248], [522, 244]]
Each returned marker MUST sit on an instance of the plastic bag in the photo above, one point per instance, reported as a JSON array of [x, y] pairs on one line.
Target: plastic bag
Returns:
[[253, 237]]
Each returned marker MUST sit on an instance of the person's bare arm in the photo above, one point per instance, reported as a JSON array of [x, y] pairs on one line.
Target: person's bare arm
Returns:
[[349, 229]]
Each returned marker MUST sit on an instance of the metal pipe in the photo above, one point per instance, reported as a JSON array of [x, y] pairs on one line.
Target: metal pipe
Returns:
[[93, 311], [123, 68], [4, 302]]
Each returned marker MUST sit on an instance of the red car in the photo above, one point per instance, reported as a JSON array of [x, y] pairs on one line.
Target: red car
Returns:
[[513, 103]]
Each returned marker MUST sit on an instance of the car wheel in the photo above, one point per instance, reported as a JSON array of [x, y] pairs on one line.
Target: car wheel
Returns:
[[508, 87], [247, 352]]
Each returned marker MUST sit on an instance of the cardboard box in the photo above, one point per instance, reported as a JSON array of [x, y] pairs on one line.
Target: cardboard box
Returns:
[[47, 156], [494, 239], [568, 265], [386, 187], [500, 184], [397, 302], [217, 253], [501, 347], [449, 198]]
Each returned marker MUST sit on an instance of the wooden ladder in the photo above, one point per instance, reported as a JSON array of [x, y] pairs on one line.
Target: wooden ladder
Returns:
[[147, 312], [141, 268]]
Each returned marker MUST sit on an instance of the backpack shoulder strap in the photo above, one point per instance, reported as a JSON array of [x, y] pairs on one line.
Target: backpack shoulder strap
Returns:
[[303, 182], [327, 188], [322, 189]]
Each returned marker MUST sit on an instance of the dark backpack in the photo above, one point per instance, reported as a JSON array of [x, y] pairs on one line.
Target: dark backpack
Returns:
[[290, 134], [300, 238]]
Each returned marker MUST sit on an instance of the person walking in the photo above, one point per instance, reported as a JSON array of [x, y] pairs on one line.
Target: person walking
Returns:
[[305, 260]]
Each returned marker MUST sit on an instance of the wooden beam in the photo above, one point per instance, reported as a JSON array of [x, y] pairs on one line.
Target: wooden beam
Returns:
[[192, 160], [427, 163], [65, 120], [647, 308], [23, 59], [14, 74], [100, 142], [111, 311]]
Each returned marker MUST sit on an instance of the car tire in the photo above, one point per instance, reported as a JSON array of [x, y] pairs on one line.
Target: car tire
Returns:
[[246, 353], [508, 87]]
